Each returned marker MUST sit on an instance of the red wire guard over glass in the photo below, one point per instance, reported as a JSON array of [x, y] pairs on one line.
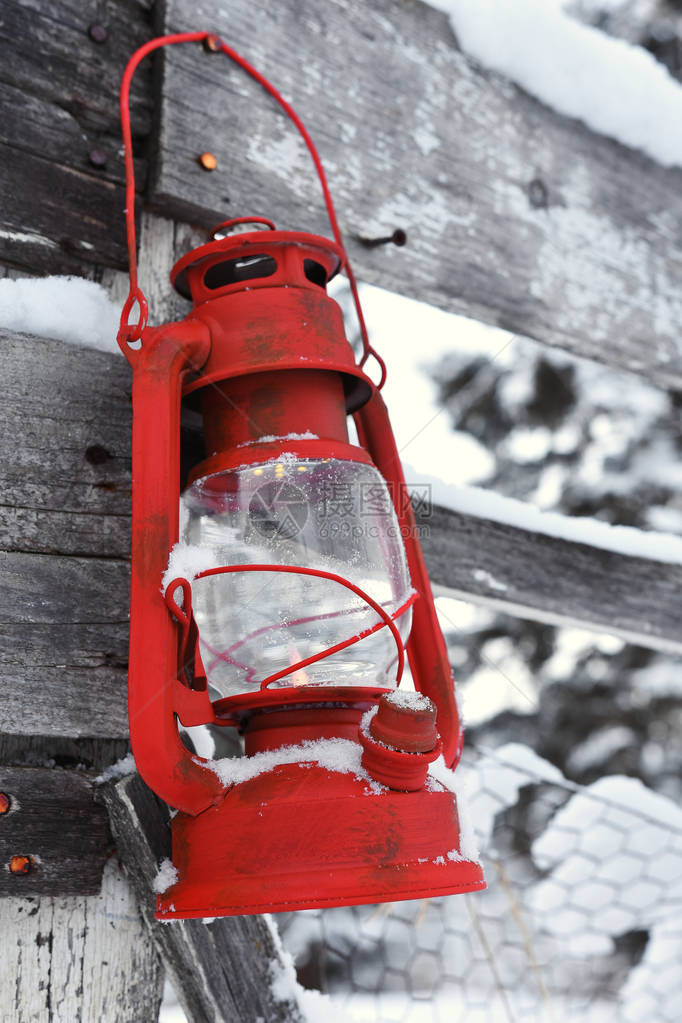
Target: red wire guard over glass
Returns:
[[386, 618], [132, 332]]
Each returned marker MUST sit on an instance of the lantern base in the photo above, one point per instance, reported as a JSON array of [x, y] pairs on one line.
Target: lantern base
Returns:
[[302, 837]]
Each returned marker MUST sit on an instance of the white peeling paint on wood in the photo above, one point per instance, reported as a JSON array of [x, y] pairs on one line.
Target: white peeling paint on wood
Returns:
[[78, 959]]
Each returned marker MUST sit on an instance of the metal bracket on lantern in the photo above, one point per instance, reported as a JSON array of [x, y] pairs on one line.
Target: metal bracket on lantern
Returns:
[[191, 699]]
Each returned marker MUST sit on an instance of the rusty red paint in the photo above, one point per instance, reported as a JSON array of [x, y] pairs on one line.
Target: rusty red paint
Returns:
[[20, 865], [276, 355], [303, 838], [208, 161], [264, 343], [400, 744], [410, 729]]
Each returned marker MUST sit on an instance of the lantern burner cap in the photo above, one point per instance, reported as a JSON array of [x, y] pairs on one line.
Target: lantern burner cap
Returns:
[[236, 243]]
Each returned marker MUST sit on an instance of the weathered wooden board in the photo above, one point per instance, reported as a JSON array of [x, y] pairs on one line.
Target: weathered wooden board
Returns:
[[79, 959], [65, 423], [83, 754], [64, 672], [59, 104], [63, 646], [514, 215], [53, 820], [546, 579], [221, 971]]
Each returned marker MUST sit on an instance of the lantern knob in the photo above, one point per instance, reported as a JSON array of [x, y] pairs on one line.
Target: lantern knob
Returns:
[[400, 740], [405, 721]]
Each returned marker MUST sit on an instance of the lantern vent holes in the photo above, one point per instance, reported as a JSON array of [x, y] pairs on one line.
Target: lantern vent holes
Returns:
[[233, 271], [315, 272]]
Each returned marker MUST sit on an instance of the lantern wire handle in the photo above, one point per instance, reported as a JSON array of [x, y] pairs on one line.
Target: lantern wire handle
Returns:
[[386, 619], [131, 332]]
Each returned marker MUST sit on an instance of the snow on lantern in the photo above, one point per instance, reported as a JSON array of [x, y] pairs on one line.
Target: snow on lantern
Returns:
[[278, 593]]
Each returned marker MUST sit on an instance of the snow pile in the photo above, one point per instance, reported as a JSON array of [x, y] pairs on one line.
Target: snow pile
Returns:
[[406, 699], [468, 846], [341, 755], [122, 767], [166, 877], [486, 504], [617, 89], [67, 308], [186, 561], [314, 1006], [271, 437]]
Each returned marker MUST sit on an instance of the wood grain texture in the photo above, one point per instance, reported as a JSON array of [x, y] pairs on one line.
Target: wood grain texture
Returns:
[[83, 754], [221, 970], [65, 464], [514, 215], [78, 959], [73, 653], [63, 646], [54, 820], [58, 103]]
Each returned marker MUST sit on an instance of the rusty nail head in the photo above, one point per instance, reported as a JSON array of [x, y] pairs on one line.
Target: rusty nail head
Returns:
[[97, 33], [399, 237], [212, 44], [20, 865], [5, 803], [208, 161], [98, 158]]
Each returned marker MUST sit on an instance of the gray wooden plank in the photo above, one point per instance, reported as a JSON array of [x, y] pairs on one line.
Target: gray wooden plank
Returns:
[[65, 423], [514, 215], [83, 754], [58, 104], [546, 579], [63, 646], [78, 959], [63, 653], [64, 860], [221, 970], [57, 219]]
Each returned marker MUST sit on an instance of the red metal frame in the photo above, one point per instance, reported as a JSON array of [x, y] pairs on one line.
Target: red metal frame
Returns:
[[426, 647], [266, 357]]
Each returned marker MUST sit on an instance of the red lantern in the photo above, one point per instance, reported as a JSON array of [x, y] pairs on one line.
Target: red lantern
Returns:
[[291, 568]]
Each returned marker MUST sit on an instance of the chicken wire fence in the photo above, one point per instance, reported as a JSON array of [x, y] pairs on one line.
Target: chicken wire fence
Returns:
[[581, 914]]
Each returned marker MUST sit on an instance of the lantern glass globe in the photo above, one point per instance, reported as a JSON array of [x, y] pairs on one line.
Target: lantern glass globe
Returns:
[[325, 514]]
